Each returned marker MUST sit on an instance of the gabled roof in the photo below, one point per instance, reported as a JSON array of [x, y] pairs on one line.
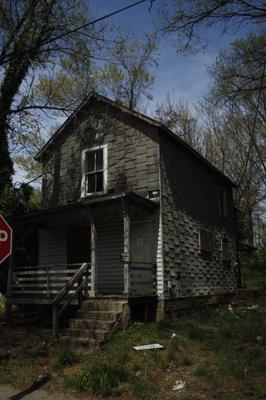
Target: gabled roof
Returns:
[[150, 121]]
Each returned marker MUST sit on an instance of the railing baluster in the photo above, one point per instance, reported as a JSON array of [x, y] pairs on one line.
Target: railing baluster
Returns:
[[61, 297]]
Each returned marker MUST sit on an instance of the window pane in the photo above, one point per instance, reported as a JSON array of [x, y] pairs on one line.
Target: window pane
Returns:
[[90, 161], [99, 159], [99, 184], [90, 183]]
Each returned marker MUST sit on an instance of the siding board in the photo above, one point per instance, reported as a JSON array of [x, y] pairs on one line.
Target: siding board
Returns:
[[52, 246]]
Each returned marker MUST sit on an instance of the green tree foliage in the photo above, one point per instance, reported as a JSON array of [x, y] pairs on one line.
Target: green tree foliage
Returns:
[[34, 35], [235, 125], [122, 72], [128, 77]]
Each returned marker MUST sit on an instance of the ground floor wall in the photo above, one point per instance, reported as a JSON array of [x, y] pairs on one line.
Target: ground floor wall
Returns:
[[187, 271], [71, 244], [169, 309]]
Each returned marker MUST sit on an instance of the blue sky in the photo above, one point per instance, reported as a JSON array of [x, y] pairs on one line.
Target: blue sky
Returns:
[[186, 77], [181, 77]]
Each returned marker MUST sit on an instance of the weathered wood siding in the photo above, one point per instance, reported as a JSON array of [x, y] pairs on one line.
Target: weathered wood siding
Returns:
[[52, 246], [190, 202], [156, 250], [132, 155], [110, 242]]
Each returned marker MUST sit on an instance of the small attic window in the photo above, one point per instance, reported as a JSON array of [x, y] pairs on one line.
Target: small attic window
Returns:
[[94, 171]]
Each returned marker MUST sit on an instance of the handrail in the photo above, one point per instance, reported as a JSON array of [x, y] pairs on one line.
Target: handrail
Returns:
[[76, 278]]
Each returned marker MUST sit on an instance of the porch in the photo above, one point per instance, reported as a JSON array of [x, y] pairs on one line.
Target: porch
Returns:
[[107, 246]]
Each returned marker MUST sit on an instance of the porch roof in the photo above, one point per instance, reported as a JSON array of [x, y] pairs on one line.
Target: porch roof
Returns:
[[75, 209]]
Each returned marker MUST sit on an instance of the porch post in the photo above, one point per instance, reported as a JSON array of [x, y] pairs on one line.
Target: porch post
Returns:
[[93, 257], [126, 255]]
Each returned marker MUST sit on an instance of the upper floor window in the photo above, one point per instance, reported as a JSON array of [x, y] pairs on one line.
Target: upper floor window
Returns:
[[205, 242], [94, 170], [222, 202]]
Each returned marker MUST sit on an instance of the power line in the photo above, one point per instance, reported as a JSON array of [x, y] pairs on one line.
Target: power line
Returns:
[[100, 19]]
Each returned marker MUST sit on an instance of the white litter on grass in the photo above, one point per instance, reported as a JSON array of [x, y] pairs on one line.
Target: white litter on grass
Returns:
[[174, 335], [259, 338], [254, 307], [148, 347], [230, 308], [179, 385]]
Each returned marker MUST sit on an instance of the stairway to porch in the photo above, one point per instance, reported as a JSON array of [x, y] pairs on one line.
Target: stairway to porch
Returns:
[[94, 323]]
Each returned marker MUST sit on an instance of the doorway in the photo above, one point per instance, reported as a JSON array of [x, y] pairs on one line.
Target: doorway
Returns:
[[78, 244]]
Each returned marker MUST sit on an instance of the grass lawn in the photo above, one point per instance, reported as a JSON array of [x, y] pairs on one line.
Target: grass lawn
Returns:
[[218, 354]]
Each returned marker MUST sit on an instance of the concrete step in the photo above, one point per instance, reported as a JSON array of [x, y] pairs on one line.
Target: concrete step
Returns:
[[79, 342], [90, 324], [103, 305], [95, 334], [97, 315]]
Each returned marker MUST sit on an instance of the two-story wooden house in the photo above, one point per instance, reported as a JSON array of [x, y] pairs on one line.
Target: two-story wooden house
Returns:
[[130, 215]]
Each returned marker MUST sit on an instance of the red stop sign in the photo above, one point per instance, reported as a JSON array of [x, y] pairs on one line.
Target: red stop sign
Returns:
[[5, 239]]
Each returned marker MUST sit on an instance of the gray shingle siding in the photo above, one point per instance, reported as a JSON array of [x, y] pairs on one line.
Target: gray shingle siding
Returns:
[[189, 202], [132, 156], [140, 159]]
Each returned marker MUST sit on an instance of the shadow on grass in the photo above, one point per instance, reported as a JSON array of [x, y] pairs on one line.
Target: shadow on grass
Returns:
[[35, 386]]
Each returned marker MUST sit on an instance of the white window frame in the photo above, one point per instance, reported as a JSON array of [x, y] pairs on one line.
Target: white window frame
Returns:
[[83, 179]]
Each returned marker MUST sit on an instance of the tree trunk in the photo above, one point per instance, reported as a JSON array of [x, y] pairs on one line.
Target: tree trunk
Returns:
[[12, 80]]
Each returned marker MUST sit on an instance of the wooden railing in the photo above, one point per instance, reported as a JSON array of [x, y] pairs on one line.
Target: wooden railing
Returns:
[[75, 288], [40, 283], [140, 279]]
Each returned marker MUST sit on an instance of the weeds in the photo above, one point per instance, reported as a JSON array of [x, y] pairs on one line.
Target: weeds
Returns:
[[143, 388], [65, 357], [187, 361], [228, 341], [205, 369], [105, 378]]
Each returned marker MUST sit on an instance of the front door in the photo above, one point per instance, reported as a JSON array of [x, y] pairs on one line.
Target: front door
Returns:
[[78, 244], [140, 248]]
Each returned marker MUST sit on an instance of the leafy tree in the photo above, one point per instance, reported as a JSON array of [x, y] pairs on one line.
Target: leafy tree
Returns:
[[128, 78], [33, 36], [185, 19], [122, 73], [178, 117], [235, 124], [238, 89]]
